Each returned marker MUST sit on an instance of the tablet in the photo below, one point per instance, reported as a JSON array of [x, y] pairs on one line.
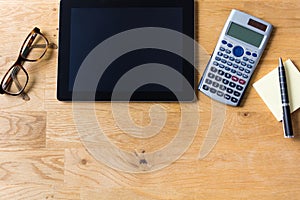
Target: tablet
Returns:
[[120, 50]]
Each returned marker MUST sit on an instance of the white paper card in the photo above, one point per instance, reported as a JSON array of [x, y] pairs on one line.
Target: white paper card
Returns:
[[269, 90]]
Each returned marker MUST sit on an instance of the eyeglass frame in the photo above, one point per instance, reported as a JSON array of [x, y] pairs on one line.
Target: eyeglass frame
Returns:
[[20, 61]]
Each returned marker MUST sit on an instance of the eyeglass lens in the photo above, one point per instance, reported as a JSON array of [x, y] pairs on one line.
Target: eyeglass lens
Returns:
[[15, 80], [34, 47]]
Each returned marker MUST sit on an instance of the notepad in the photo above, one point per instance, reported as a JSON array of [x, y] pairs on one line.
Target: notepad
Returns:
[[268, 89]]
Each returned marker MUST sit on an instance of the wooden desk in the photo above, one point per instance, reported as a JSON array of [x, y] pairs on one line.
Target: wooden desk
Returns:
[[42, 156]]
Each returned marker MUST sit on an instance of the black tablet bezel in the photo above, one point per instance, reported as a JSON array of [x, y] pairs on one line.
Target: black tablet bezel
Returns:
[[63, 93]]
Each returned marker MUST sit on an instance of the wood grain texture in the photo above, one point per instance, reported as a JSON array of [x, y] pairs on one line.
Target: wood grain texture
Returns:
[[42, 155], [22, 130]]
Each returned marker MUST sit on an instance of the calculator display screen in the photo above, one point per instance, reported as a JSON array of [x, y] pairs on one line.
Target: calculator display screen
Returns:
[[244, 34]]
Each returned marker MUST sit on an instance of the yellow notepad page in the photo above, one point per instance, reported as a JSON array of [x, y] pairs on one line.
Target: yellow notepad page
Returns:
[[269, 90]]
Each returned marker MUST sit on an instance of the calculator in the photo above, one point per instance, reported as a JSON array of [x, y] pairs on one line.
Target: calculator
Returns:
[[237, 53]]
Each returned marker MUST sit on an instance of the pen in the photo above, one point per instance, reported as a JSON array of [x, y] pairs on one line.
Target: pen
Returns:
[[287, 121]]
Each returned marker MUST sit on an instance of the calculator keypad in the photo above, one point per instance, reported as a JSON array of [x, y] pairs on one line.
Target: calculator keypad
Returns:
[[229, 72]]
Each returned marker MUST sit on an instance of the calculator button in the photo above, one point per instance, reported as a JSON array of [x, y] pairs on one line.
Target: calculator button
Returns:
[[227, 69], [229, 63], [218, 78], [237, 94], [222, 87], [222, 49], [215, 63], [213, 69], [226, 96], [234, 100], [208, 81], [225, 81], [245, 59], [218, 58], [235, 66], [227, 75], [237, 61], [220, 54], [233, 71], [241, 81], [225, 56], [254, 55], [245, 76], [220, 94], [247, 71], [251, 61], [228, 51], [239, 73], [249, 66], [229, 90], [205, 87], [223, 61], [221, 66], [238, 51], [224, 42], [239, 88], [248, 53], [210, 75], [229, 45], [212, 90], [215, 84], [234, 78], [241, 68], [231, 58], [220, 72], [231, 84], [243, 64]]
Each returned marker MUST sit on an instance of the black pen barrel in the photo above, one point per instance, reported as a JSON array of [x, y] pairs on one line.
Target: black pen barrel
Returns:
[[283, 86], [287, 122]]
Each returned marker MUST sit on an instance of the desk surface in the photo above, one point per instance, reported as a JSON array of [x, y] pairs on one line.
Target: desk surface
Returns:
[[42, 156]]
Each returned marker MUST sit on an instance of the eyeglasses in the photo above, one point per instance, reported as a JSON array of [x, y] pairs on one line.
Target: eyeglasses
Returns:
[[16, 78]]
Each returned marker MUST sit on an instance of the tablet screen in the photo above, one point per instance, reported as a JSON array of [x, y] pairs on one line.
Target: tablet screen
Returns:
[[89, 27], [103, 23]]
